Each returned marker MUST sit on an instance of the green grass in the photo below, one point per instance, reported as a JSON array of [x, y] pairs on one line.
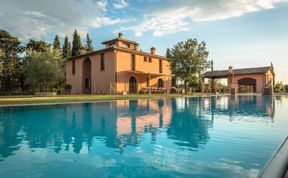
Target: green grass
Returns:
[[26, 100]]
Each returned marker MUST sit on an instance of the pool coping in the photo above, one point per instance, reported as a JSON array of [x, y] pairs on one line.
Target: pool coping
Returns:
[[277, 166], [97, 101], [107, 100]]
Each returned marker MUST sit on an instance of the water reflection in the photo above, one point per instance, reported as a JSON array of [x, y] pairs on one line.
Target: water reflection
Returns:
[[118, 124]]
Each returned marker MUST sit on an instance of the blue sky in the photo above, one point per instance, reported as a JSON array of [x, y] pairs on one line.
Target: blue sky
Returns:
[[241, 33]]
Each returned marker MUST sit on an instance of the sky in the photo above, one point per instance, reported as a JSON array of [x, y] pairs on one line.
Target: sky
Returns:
[[241, 33]]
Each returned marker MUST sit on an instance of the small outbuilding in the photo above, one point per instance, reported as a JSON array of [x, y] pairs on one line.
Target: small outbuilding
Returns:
[[257, 79]]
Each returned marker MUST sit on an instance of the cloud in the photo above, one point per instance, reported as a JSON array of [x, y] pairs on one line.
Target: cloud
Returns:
[[161, 24], [36, 19], [120, 4], [102, 4], [178, 15]]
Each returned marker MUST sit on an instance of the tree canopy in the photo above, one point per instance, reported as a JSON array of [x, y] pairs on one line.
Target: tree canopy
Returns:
[[189, 60], [279, 88], [89, 46], [39, 46], [56, 43], [43, 70], [66, 49], [10, 61], [76, 44]]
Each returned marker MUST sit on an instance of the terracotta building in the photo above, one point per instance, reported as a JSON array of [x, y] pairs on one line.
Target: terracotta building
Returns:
[[120, 67], [256, 80]]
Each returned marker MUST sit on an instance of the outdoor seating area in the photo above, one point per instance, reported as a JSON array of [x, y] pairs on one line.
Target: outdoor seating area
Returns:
[[153, 90]]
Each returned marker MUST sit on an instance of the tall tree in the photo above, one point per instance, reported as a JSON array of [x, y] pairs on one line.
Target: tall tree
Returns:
[[189, 59], [39, 46], [69, 49], [76, 44], [56, 43], [11, 62], [43, 70], [65, 50], [168, 53], [169, 56], [89, 46]]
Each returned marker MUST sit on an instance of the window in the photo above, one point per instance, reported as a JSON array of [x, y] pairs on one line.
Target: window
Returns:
[[145, 59], [73, 66], [87, 83], [133, 62], [102, 62], [160, 66], [150, 59]]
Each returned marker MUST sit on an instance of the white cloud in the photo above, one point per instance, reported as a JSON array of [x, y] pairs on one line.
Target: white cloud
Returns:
[[102, 4], [177, 16], [162, 24], [120, 4], [34, 14], [35, 19]]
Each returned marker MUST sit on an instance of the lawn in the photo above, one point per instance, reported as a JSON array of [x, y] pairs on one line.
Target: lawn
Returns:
[[26, 100]]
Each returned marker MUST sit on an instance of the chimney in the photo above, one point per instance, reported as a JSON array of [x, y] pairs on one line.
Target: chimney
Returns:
[[136, 48], [230, 69], [120, 35], [153, 50]]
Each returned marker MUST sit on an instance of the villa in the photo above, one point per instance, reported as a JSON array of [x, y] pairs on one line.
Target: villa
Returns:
[[121, 67]]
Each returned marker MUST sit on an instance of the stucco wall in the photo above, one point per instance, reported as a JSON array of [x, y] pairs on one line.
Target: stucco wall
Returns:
[[75, 80], [260, 80], [124, 65], [101, 79], [117, 63]]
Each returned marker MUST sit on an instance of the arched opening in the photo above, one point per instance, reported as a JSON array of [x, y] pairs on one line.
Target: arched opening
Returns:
[[246, 85], [160, 83], [86, 84], [133, 85]]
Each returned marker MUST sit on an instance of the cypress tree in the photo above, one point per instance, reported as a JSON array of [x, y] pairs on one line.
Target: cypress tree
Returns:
[[89, 47], [65, 50], [69, 49], [76, 44], [56, 43]]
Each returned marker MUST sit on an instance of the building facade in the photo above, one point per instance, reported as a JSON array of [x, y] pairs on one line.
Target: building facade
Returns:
[[256, 80], [120, 67]]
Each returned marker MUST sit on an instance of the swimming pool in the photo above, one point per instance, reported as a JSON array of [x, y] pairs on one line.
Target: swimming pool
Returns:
[[182, 137]]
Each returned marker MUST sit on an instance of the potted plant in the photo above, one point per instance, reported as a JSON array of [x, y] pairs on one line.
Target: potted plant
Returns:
[[67, 88]]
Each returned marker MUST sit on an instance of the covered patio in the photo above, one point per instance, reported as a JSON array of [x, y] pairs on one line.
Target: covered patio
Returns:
[[245, 80], [146, 82]]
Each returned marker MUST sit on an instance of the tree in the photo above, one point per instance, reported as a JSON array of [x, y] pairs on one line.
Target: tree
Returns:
[[279, 88], [66, 50], [69, 49], [76, 44], [286, 88], [88, 47], [10, 61], [43, 70], [56, 43], [39, 46], [189, 60]]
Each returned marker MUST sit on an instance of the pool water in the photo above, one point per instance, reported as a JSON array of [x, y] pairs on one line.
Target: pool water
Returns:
[[181, 137]]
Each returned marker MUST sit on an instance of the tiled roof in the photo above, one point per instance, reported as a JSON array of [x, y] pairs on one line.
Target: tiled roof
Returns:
[[225, 73], [120, 39]]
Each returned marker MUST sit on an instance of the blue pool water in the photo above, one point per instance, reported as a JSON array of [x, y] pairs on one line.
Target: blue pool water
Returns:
[[180, 137]]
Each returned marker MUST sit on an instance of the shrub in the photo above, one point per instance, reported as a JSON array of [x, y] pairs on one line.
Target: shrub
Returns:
[[67, 86]]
